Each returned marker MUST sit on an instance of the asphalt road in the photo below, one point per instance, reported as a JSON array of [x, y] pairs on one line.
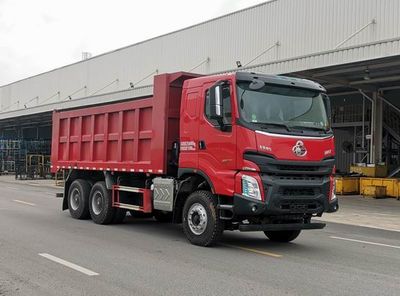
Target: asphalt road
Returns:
[[43, 251]]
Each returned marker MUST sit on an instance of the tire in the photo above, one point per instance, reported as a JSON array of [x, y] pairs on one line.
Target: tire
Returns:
[[119, 216], [282, 236], [100, 204], [78, 199], [201, 205], [163, 217]]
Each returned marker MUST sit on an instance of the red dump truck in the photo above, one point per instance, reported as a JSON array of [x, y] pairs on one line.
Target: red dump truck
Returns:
[[241, 151]]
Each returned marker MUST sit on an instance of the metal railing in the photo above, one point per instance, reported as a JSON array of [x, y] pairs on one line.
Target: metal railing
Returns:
[[391, 122]]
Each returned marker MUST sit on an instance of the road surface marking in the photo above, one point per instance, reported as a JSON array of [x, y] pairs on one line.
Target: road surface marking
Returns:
[[24, 202], [12, 188], [254, 251], [68, 264], [365, 242]]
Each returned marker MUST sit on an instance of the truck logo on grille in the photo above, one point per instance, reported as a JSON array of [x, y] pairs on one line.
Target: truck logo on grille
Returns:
[[299, 149]]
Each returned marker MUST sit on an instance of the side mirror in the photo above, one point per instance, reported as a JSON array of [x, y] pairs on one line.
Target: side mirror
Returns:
[[216, 102]]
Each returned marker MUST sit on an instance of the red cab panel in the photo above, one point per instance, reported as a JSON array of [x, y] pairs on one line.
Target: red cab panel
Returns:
[[287, 147]]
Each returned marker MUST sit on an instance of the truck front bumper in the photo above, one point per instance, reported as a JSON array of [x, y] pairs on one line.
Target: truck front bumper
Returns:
[[244, 206], [281, 227]]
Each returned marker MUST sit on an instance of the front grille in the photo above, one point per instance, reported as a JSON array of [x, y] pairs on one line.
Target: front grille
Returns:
[[298, 207], [297, 191], [298, 178], [294, 187], [297, 168], [274, 167]]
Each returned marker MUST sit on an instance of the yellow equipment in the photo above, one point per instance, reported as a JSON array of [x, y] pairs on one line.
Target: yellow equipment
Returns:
[[392, 186], [374, 191], [370, 170], [347, 185]]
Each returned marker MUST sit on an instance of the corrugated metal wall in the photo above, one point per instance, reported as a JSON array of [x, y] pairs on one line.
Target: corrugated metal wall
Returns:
[[307, 31]]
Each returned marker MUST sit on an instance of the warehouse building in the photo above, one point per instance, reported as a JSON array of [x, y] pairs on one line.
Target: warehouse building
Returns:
[[352, 47]]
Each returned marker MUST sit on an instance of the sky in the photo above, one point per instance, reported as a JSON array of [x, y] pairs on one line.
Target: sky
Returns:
[[40, 35]]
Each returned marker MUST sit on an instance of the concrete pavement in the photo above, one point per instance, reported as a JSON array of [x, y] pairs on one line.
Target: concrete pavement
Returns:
[[368, 212], [143, 257]]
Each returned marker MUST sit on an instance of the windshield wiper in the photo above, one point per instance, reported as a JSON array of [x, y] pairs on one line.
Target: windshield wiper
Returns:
[[314, 128], [269, 124], [291, 128]]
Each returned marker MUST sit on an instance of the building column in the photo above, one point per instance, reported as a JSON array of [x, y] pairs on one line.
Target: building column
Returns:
[[377, 128]]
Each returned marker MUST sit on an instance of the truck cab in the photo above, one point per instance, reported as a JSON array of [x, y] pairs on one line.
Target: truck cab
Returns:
[[265, 146]]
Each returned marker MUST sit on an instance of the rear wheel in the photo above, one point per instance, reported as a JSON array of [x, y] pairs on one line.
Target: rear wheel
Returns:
[[201, 223], [119, 217], [282, 236], [78, 199], [100, 204]]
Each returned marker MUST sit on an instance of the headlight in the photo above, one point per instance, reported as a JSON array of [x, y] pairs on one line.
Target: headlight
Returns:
[[333, 193], [250, 187]]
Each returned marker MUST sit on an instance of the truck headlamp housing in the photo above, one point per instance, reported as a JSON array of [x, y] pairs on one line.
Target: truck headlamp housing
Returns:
[[333, 191], [250, 187]]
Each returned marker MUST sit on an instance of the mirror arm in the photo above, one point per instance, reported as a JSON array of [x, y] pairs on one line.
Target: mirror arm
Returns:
[[221, 124], [327, 103]]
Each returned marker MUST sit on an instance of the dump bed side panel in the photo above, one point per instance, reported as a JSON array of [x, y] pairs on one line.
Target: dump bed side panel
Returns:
[[117, 137], [131, 136]]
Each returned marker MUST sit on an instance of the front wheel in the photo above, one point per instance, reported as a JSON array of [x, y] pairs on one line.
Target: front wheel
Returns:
[[201, 223], [282, 236]]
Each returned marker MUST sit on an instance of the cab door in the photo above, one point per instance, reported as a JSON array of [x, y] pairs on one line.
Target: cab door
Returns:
[[189, 126], [217, 143]]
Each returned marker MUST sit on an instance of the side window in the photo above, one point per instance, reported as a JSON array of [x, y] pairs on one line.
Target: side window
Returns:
[[227, 111], [207, 109]]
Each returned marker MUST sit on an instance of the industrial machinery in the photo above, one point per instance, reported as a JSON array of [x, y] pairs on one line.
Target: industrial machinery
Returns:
[[25, 158]]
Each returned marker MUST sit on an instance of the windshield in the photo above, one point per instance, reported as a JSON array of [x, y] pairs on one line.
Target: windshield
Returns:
[[276, 105]]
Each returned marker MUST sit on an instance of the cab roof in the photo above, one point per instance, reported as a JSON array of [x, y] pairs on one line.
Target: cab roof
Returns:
[[281, 80]]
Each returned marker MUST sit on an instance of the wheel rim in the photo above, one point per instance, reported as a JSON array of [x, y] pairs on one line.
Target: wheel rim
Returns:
[[197, 218], [97, 202], [75, 199]]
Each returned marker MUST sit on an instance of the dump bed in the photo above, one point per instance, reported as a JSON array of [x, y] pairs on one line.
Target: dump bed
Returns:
[[131, 136]]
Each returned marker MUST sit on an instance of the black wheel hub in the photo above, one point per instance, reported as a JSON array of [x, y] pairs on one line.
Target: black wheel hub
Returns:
[[196, 219]]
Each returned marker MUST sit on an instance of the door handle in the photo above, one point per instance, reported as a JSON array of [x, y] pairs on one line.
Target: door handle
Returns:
[[202, 145]]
